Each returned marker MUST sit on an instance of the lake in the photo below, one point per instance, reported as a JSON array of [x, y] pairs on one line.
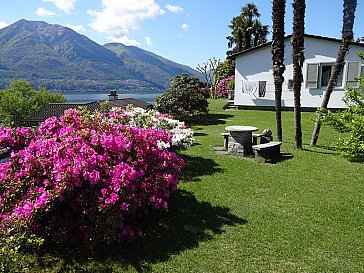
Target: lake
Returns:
[[85, 97]]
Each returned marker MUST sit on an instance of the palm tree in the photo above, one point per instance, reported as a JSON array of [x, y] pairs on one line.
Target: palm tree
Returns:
[[236, 35], [347, 37], [260, 33], [278, 13], [246, 30], [298, 58], [247, 14]]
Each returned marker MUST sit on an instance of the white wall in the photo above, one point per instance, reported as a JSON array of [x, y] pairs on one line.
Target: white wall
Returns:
[[256, 65]]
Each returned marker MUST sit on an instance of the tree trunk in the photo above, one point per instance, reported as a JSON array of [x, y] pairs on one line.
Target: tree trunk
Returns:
[[278, 13], [240, 41], [247, 39], [347, 37], [299, 7]]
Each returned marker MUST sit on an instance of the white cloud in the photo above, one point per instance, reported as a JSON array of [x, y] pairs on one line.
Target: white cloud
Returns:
[[44, 12], [77, 28], [148, 40], [184, 27], [174, 9], [3, 25], [125, 40], [117, 17], [66, 5]]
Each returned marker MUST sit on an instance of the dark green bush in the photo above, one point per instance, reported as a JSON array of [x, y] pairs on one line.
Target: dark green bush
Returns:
[[349, 121], [183, 100]]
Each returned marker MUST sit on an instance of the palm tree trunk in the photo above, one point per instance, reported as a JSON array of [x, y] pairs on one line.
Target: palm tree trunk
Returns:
[[278, 13], [347, 37], [299, 7]]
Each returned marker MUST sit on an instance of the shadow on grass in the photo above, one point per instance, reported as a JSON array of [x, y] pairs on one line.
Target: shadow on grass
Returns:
[[199, 134], [322, 149], [187, 223], [210, 119], [196, 166]]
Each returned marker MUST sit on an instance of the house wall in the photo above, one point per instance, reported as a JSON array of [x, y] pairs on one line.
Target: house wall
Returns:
[[256, 65]]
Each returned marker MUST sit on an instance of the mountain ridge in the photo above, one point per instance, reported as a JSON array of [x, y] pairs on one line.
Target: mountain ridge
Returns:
[[61, 59]]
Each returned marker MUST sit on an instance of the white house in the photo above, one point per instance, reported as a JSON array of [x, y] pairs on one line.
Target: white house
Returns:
[[254, 85]]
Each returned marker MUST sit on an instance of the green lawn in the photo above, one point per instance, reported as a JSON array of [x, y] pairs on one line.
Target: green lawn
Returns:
[[304, 214]]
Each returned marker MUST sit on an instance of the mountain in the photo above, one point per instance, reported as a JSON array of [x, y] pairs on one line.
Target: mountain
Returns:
[[61, 59], [148, 65]]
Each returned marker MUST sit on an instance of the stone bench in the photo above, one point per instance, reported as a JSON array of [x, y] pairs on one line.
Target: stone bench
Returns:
[[268, 152], [256, 137], [226, 139]]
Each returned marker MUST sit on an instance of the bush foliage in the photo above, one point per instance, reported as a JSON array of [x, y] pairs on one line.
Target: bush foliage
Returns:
[[223, 87], [19, 100], [85, 178], [182, 136], [184, 99], [349, 121]]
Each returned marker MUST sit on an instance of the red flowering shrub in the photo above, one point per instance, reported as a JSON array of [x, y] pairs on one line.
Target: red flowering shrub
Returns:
[[85, 177]]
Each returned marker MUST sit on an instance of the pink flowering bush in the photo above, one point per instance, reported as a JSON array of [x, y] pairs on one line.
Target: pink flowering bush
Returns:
[[222, 87], [85, 177]]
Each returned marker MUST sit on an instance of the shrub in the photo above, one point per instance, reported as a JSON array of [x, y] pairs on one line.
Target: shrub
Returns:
[[222, 87], [204, 91], [231, 84], [183, 100], [85, 177], [349, 121], [224, 69], [19, 100], [182, 136]]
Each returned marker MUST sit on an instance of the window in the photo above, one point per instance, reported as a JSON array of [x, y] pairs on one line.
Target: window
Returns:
[[312, 76], [326, 71], [352, 73], [318, 75], [290, 84]]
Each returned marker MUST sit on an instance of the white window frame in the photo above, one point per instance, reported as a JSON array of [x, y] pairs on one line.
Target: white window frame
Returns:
[[312, 75], [351, 70], [351, 78]]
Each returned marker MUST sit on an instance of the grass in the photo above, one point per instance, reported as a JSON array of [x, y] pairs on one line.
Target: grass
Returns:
[[304, 214]]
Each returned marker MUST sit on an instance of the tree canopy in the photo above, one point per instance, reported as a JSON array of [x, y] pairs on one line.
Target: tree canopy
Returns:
[[19, 100], [246, 30]]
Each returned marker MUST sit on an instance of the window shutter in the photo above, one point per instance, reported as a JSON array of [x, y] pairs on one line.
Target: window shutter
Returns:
[[312, 76], [352, 72]]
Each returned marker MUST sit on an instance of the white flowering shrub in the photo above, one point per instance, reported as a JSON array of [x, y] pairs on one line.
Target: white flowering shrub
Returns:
[[182, 136]]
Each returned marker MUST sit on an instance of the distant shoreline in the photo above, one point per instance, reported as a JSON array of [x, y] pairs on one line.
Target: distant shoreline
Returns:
[[106, 92], [90, 96]]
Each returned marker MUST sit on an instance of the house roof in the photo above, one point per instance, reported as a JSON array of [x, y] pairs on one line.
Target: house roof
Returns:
[[233, 56], [57, 109], [123, 103]]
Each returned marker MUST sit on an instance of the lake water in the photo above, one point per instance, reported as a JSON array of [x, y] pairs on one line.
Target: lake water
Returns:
[[85, 97]]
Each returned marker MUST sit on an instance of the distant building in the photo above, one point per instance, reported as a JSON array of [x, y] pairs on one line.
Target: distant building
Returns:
[[254, 84], [57, 109]]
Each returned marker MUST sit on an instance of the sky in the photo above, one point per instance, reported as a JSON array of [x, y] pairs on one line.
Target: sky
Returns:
[[188, 32]]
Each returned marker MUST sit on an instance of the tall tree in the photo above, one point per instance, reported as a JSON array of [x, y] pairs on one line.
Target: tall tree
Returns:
[[246, 30], [278, 13], [347, 37], [299, 7], [260, 33]]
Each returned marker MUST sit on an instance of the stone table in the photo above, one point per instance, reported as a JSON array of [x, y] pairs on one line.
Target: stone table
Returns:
[[241, 139]]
